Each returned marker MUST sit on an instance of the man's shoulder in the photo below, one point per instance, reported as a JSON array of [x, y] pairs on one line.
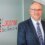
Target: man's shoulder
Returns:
[[43, 22], [24, 22]]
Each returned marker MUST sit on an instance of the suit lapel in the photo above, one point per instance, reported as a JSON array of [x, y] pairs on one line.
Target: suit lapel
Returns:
[[33, 30], [43, 24]]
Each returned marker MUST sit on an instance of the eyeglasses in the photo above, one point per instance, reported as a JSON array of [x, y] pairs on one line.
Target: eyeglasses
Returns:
[[36, 9]]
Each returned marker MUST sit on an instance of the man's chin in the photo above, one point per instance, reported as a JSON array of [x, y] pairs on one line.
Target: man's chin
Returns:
[[37, 19]]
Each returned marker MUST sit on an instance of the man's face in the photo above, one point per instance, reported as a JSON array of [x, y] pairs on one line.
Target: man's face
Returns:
[[36, 11]]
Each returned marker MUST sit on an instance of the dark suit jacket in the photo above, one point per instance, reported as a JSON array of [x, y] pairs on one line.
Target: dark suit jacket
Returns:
[[27, 34]]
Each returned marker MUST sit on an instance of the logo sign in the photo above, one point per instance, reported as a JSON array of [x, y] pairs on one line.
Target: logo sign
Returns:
[[8, 25]]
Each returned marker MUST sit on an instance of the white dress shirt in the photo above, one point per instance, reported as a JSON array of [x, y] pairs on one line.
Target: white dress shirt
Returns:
[[34, 23]]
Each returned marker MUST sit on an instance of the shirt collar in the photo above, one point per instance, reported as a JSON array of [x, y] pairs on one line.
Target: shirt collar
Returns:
[[34, 21]]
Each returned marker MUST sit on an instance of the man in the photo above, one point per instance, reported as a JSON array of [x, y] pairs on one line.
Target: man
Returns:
[[29, 31]]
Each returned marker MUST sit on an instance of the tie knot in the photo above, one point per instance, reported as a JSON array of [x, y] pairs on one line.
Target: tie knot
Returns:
[[37, 23]]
